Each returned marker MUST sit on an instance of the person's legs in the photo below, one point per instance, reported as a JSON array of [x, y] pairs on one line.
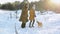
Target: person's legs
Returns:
[[30, 23], [33, 23]]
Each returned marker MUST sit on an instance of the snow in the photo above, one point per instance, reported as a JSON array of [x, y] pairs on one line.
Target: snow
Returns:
[[50, 21]]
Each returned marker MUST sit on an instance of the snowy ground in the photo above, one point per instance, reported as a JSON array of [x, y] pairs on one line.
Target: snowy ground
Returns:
[[50, 20]]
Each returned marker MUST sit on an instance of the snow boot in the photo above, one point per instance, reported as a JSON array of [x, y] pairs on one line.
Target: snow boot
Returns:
[[23, 25]]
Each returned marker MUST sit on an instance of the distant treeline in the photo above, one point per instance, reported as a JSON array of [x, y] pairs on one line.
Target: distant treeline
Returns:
[[41, 5], [10, 6]]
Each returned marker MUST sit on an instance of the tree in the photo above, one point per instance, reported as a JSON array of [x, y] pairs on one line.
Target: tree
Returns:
[[7, 6], [16, 4], [39, 5], [16, 14]]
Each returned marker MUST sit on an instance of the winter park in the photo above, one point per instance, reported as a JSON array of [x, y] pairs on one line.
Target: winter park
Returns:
[[29, 16]]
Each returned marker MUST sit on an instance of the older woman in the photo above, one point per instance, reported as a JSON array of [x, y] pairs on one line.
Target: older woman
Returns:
[[24, 14]]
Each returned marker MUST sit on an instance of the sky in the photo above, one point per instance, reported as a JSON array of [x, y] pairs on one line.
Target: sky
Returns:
[[5, 1]]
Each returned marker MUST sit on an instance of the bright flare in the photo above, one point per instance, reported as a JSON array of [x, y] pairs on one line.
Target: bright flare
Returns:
[[55, 1]]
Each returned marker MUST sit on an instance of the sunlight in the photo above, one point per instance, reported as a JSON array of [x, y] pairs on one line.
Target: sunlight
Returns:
[[55, 1], [4, 1]]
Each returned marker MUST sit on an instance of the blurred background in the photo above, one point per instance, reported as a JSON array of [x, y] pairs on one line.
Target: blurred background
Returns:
[[41, 5]]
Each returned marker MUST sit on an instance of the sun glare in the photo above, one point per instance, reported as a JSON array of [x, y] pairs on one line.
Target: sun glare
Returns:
[[55, 1]]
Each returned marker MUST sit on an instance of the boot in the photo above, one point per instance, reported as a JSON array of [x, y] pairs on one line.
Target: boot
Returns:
[[30, 24], [23, 25], [33, 23]]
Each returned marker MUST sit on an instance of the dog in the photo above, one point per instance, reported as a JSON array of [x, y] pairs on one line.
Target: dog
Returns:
[[39, 24]]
